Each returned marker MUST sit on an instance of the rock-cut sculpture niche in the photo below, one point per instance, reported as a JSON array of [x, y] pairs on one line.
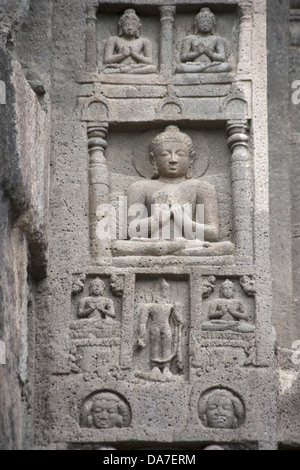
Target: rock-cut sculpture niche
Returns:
[[177, 214], [165, 341], [105, 410], [96, 306], [220, 408], [228, 313], [129, 52], [203, 52]]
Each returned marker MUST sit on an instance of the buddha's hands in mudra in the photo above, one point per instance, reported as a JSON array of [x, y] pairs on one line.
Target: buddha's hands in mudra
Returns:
[[201, 49], [142, 341], [126, 51]]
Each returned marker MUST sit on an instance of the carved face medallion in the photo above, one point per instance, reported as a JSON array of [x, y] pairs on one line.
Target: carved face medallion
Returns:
[[172, 159], [105, 414], [220, 413]]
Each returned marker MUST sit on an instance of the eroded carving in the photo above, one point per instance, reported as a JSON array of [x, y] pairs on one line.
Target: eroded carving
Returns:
[[170, 220], [228, 313], [248, 285], [96, 306], [208, 286], [78, 283], [128, 52], [165, 340], [117, 284], [105, 410], [221, 408], [96, 331], [204, 52]]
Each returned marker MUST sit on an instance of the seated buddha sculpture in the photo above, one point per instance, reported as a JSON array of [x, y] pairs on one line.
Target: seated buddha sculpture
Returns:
[[172, 213], [128, 52], [203, 52], [227, 312]]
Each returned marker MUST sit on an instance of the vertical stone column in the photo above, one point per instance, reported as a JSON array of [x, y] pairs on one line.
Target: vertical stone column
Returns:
[[245, 37], [167, 14], [91, 35], [98, 184], [241, 188]]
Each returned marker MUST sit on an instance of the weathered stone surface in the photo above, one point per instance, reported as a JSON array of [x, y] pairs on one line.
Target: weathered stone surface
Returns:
[[128, 342]]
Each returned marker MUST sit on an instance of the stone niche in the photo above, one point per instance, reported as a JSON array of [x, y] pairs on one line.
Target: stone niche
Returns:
[[170, 338]]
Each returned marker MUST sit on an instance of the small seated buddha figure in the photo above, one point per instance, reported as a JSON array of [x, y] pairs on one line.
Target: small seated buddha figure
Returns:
[[228, 313], [96, 306], [204, 52], [128, 52]]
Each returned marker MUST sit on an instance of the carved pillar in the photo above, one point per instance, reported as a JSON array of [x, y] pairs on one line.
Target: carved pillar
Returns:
[[245, 37], [241, 188], [98, 183], [167, 14], [91, 35]]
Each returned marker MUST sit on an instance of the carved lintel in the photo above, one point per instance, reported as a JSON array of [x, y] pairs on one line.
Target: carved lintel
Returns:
[[167, 15]]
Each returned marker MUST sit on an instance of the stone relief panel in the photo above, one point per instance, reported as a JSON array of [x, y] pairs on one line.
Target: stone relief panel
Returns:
[[227, 336], [128, 52], [221, 408], [105, 410], [96, 326], [166, 41], [173, 197], [128, 43], [96, 306], [161, 328], [227, 312], [205, 51]]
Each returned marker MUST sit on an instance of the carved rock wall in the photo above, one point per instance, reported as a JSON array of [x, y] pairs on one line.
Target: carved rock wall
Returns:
[[126, 342], [284, 196]]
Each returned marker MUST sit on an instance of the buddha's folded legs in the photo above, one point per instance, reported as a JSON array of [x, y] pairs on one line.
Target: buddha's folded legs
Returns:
[[214, 67], [178, 247]]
